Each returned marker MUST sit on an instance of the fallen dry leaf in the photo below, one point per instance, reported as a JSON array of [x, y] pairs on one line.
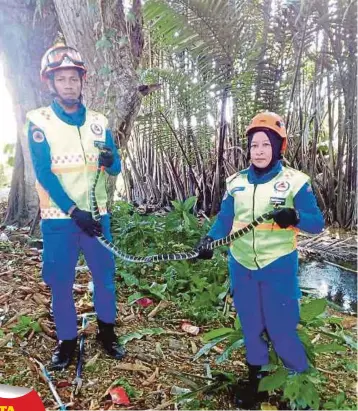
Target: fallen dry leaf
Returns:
[[40, 299], [267, 406], [161, 306], [127, 366], [5, 340], [194, 348], [152, 378]]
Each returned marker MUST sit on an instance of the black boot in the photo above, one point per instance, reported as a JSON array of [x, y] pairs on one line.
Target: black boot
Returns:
[[63, 354], [108, 338], [255, 376], [247, 395]]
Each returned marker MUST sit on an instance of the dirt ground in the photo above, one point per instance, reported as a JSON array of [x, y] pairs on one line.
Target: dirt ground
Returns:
[[150, 370]]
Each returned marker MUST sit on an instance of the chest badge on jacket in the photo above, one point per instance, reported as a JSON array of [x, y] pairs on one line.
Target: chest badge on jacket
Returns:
[[281, 186], [96, 129]]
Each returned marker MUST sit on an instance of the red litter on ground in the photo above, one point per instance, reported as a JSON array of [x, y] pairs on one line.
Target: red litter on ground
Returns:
[[190, 328], [119, 396], [144, 302]]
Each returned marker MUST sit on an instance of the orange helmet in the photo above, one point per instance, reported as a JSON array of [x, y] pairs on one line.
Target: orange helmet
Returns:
[[61, 56], [271, 121]]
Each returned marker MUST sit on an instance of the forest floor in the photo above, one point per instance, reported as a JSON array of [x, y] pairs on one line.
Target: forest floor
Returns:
[[155, 365]]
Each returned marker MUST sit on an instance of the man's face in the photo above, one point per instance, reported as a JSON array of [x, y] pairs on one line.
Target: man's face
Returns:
[[68, 83]]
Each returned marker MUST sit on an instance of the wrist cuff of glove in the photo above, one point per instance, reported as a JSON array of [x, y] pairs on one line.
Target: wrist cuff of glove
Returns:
[[71, 210]]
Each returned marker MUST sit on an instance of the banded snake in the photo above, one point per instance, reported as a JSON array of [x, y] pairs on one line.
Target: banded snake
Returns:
[[166, 257]]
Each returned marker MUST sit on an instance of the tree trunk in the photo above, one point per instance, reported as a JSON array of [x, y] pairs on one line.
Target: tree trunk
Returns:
[[24, 37], [219, 172], [111, 49]]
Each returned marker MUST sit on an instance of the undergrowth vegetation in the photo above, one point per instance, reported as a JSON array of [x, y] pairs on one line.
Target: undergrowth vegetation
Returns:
[[200, 288]]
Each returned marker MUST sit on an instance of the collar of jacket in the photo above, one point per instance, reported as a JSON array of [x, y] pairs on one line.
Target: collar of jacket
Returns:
[[77, 118], [254, 178]]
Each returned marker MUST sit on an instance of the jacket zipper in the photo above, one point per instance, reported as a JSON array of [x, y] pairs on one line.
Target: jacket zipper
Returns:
[[253, 231], [84, 156]]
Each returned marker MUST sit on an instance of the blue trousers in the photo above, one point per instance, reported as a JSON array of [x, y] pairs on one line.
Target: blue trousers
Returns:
[[63, 241], [262, 306]]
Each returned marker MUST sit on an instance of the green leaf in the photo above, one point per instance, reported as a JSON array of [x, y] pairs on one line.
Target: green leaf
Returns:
[[104, 71], [177, 205], [341, 397], [350, 341], [140, 334], [36, 327], [189, 203], [25, 320], [220, 332], [351, 366], [11, 161], [156, 290], [313, 309], [2, 334], [329, 405], [9, 148], [130, 16], [337, 403], [134, 297], [309, 394], [334, 320], [226, 354], [123, 41], [129, 279], [186, 219], [269, 367], [103, 43], [304, 337], [207, 347], [292, 389], [333, 347], [237, 323], [272, 382]]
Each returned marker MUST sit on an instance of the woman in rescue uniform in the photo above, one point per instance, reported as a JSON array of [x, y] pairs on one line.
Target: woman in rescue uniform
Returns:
[[263, 264]]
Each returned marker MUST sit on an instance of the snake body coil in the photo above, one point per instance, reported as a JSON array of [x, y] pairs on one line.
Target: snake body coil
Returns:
[[166, 257]]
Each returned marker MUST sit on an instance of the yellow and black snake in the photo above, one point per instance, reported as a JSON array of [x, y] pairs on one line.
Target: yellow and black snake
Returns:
[[166, 257]]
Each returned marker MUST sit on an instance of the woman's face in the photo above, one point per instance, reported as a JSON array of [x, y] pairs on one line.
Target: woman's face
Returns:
[[260, 150]]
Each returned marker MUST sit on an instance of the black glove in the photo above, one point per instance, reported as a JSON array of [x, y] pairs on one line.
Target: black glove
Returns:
[[106, 158], [204, 253], [86, 223], [285, 217]]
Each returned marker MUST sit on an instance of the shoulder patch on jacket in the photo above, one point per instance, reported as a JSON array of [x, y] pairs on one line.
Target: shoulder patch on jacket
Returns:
[[38, 136]]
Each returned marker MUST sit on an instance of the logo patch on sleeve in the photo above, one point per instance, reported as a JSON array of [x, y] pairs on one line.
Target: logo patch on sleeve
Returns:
[[38, 136]]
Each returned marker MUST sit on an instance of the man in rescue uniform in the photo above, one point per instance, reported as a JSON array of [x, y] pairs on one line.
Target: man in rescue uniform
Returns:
[[61, 140], [263, 264]]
